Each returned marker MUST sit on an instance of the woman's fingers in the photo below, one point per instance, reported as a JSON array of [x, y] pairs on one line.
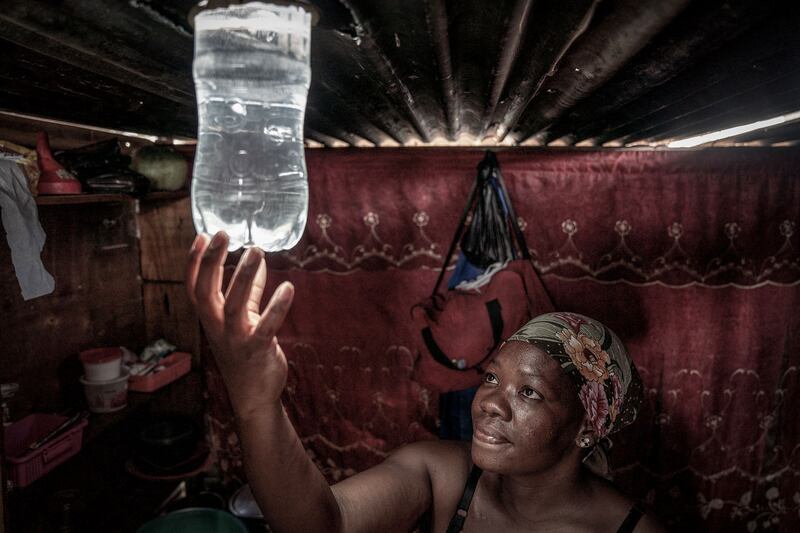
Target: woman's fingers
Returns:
[[276, 311], [238, 310], [193, 265], [209, 277], [243, 299]]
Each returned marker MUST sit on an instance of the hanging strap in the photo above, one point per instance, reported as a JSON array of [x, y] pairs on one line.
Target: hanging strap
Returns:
[[486, 165], [631, 520], [495, 319], [487, 168], [514, 224], [457, 522]]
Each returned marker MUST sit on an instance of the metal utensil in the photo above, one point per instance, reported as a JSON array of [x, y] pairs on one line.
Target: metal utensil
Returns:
[[74, 419]]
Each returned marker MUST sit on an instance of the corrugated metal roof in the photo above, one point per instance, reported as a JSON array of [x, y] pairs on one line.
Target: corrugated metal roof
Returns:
[[506, 72]]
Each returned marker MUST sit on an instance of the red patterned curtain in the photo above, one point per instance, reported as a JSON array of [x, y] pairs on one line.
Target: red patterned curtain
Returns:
[[691, 257]]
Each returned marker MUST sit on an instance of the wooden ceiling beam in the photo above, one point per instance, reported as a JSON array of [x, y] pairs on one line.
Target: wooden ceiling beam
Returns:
[[81, 33], [342, 80], [746, 86], [596, 57], [347, 117], [748, 60], [515, 31], [743, 109], [45, 87], [322, 138], [436, 15], [553, 28], [703, 28], [380, 64], [476, 30], [402, 31], [323, 124]]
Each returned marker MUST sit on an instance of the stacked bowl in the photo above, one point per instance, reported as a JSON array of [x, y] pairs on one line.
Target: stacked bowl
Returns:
[[105, 379]]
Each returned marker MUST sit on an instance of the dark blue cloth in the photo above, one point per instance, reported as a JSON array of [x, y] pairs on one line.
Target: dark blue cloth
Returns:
[[455, 414], [464, 271]]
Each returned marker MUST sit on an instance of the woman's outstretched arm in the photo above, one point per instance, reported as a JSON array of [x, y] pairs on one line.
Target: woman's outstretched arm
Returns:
[[290, 490]]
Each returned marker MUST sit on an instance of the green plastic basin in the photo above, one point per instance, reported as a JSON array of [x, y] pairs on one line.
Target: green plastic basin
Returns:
[[195, 521]]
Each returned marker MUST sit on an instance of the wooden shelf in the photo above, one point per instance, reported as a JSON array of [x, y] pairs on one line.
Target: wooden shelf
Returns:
[[143, 404], [90, 198], [165, 195]]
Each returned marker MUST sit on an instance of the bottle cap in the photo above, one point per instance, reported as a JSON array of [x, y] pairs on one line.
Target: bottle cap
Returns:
[[215, 4]]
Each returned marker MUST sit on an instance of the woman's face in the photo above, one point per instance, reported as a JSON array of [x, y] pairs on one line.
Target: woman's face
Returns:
[[526, 414]]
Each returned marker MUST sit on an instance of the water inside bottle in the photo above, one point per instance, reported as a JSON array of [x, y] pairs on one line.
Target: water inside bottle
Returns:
[[251, 78]]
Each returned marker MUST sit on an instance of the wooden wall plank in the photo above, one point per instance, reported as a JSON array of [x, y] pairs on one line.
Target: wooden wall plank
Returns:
[[93, 254], [167, 232], [3, 496], [169, 315]]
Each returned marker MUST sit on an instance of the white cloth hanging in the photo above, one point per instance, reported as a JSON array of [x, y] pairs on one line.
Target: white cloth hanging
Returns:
[[24, 233]]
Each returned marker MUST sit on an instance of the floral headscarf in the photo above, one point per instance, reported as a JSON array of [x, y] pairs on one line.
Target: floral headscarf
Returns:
[[609, 386]]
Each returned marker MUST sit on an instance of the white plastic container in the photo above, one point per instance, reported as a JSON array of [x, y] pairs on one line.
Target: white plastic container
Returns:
[[107, 396], [102, 364]]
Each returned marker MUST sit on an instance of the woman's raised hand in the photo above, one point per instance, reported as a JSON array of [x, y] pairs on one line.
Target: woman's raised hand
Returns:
[[242, 337]]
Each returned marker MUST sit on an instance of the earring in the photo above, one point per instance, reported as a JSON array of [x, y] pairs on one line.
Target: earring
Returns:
[[585, 442]]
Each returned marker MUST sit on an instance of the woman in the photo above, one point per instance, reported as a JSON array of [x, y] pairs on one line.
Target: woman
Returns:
[[551, 393]]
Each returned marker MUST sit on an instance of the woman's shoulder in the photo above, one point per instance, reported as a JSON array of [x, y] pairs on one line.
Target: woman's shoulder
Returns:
[[436, 455], [446, 463]]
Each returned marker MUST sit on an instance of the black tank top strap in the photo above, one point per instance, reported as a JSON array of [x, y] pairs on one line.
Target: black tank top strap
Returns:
[[459, 517], [634, 515], [457, 522]]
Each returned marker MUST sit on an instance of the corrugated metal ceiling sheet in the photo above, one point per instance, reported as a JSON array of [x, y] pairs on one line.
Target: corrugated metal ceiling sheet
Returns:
[[506, 72]]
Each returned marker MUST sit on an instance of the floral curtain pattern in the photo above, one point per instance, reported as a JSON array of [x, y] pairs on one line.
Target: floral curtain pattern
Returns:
[[690, 257]]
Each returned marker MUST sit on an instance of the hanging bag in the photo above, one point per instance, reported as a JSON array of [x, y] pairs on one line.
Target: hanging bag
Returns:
[[459, 330]]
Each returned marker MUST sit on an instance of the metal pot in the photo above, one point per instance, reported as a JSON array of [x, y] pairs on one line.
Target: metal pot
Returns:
[[243, 506], [167, 441]]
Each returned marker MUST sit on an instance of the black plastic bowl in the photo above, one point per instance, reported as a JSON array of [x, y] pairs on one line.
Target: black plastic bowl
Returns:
[[168, 441]]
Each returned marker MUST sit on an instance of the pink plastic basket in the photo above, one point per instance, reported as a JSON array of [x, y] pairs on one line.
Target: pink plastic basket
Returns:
[[176, 364], [26, 466]]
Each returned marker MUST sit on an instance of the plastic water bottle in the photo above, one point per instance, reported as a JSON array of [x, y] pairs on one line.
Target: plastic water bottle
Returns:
[[251, 74]]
